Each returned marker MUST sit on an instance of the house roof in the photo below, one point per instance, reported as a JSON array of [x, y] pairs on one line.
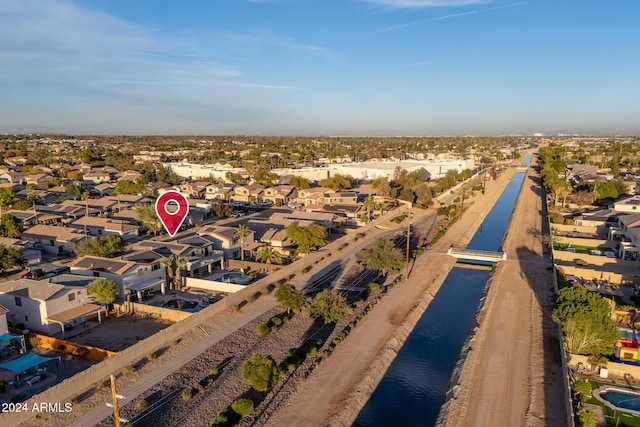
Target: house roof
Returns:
[[62, 234], [27, 288], [143, 257], [227, 233], [108, 265]]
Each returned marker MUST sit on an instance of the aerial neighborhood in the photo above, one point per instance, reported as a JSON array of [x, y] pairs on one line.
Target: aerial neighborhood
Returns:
[[87, 270]]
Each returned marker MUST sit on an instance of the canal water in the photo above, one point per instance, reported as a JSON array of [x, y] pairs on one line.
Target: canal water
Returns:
[[413, 388]]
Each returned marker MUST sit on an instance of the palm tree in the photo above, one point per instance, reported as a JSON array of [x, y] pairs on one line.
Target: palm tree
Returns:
[[369, 205], [180, 264], [242, 232], [85, 197], [168, 263], [268, 254]]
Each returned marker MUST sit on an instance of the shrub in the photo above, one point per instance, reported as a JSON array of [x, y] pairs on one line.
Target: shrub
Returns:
[[186, 395], [261, 372], [219, 420], [142, 404], [262, 329], [213, 371], [242, 407], [587, 418], [312, 352], [292, 361], [151, 356], [276, 321], [130, 369], [581, 262], [374, 287]]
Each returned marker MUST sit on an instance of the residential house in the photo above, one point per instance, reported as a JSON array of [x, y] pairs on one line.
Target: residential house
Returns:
[[628, 204], [200, 256], [45, 306], [52, 239], [98, 226], [249, 193], [130, 175], [133, 277], [280, 194], [97, 176], [226, 239], [101, 206], [29, 252], [14, 177], [627, 234], [219, 191], [40, 180], [311, 196], [104, 189], [194, 189], [333, 197]]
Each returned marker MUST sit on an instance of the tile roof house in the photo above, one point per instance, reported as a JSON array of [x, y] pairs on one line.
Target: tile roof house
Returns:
[[249, 193], [225, 239], [98, 226], [280, 194]]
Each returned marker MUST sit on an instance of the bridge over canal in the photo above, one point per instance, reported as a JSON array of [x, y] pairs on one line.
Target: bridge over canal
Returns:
[[476, 254]]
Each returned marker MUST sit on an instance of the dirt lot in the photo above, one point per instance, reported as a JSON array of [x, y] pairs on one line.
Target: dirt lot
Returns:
[[118, 333]]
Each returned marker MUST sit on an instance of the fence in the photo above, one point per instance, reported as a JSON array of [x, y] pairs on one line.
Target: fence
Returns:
[[152, 311], [213, 285], [68, 347]]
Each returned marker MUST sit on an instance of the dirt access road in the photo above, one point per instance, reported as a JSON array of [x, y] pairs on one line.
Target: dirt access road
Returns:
[[510, 364]]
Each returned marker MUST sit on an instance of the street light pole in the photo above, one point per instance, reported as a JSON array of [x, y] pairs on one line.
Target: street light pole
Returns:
[[406, 277]]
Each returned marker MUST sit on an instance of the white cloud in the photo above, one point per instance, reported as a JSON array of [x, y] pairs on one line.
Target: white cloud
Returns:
[[399, 4]]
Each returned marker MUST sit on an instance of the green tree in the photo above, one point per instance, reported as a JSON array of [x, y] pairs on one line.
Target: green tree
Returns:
[[266, 178], [383, 256], [242, 232], [6, 198], [10, 226], [242, 407], [308, 238], [261, 372], [299, 182], [125, 186], [337, 182], [146, 214], [587, 418], [10, 258], [289, 297], [268, 254], [23, 205], [73, 191], [382, 187], [369, 204], [181, 263], [420, 175], [586, 323], [168, 263], [582, 390], [329, 307], [107, 247], [103, 290]]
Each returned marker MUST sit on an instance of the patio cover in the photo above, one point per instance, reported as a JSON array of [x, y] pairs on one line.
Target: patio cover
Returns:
[[25, 362], [73, 313]]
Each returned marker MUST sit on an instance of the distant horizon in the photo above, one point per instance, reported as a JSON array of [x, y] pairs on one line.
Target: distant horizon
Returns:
[[339, 67]]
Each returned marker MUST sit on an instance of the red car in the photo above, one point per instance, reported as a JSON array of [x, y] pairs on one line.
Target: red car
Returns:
[[34, 274]]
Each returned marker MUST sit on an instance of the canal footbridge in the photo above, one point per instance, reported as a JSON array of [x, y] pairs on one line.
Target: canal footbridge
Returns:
[[476, 254]]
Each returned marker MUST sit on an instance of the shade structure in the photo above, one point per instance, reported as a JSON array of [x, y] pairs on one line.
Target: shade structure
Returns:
[[22, 363]]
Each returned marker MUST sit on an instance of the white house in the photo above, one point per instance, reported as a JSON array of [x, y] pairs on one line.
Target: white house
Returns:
[[47, 307]]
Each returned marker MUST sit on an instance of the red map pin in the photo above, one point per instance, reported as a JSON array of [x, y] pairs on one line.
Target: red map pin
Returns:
[[173, 218]]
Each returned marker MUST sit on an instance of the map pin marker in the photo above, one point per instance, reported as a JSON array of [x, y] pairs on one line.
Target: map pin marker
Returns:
[[172, 219]]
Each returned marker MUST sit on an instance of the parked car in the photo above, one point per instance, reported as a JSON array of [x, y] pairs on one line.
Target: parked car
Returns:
[[35, 273]]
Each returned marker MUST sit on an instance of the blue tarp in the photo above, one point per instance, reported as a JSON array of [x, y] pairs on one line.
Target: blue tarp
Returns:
[[22, 363], [7, 336]]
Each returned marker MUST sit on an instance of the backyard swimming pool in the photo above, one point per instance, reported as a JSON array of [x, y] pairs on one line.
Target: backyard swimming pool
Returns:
[[175, 304], [619, 399], [234, 277]]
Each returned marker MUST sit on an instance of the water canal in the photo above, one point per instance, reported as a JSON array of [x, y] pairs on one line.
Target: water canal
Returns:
[[413, 388]]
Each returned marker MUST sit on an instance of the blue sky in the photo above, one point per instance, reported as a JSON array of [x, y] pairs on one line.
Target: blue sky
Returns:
[[311, 67]]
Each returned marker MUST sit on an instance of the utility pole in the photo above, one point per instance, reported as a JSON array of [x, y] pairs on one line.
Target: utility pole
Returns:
[[406, 277], [114, 396], [462, 205]]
